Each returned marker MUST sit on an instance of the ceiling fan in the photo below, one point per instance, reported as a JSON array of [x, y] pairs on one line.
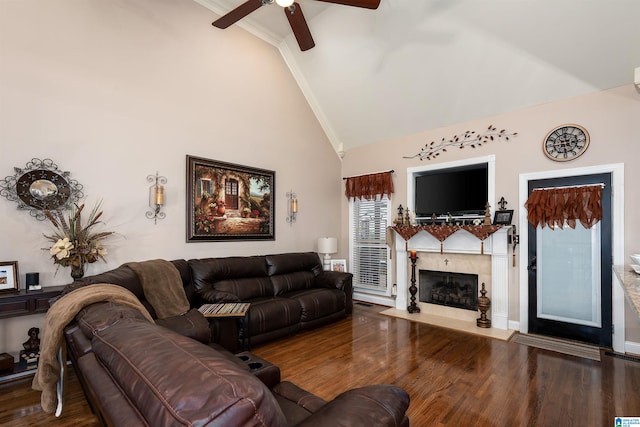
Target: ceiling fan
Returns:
[[293, 11]]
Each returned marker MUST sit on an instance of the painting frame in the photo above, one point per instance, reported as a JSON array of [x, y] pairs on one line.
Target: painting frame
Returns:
[[9, 277], [227, 201], [339, 265], [503, 217]]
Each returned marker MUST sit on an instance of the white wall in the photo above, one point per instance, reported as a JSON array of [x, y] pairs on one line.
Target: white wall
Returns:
[[116, 90]]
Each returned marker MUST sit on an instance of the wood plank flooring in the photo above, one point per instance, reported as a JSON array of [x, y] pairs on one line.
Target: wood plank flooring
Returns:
[[454, 378]]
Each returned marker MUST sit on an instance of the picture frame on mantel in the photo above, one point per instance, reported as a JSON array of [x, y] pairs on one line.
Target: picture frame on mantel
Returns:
[[226, 201], [9, 282], [503, 217]]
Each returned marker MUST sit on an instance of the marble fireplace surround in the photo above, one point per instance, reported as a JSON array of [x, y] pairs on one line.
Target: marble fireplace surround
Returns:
[[462, 253]]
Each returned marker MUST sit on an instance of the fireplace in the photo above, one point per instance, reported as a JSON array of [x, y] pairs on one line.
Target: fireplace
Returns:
[[461, 252], [459, 290]]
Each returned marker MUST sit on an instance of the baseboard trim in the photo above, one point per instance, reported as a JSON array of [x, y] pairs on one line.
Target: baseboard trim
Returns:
[[632, 348]]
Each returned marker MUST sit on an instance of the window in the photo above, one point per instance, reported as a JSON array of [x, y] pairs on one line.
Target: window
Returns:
[[368, 235]]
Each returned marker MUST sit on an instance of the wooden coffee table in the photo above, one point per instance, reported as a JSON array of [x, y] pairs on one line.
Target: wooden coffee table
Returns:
[[236, 310]]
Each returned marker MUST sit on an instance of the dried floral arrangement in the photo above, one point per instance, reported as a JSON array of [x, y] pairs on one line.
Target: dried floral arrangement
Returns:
[[75, 244], [471, 139]]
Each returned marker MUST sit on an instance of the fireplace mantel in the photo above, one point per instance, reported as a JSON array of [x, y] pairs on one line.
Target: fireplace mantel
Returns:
[[460, 242]]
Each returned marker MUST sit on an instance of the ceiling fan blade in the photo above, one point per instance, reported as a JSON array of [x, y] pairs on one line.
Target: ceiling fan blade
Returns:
[[237, 14], [299, 26], [368, 4]]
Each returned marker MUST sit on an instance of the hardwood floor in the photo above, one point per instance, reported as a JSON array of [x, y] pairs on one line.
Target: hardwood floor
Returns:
[[454, 378]]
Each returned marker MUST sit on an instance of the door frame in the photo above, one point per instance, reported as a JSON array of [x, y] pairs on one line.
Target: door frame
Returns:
[[617, 244]]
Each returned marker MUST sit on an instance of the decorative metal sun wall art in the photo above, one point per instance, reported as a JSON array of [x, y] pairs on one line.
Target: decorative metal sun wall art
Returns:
[[40, 186]]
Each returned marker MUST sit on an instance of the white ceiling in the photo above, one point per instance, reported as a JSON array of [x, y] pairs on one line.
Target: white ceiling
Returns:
[[415, 65]]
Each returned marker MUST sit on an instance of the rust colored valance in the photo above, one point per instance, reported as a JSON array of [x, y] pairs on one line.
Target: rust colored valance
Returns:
[[554, 207], [442, 232], [369, 186]]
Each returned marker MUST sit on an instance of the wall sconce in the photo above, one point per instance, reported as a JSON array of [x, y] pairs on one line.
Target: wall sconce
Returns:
[[156, 197], [292, 209], [326, 246]]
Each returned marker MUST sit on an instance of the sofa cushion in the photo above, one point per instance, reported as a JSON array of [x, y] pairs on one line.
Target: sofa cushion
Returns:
[[268, 314], [242, 277], [160, 380], [289, 282], [318, 303], [246, 289], [288, 263], [191, 324]]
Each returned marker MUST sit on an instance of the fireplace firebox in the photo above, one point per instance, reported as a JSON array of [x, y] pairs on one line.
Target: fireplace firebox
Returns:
[[459, 290]]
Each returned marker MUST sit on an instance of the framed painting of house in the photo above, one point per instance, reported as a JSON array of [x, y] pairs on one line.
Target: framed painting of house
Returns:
[[226, 201]]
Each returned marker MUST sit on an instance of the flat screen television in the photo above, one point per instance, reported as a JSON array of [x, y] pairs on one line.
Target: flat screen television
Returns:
[[453, 191]]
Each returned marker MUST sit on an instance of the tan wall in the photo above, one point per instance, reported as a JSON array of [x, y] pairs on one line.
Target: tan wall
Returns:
[[611, 118], [113, 91]]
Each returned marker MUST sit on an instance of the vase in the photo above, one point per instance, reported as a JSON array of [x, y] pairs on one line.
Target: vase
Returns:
[[77, 271]]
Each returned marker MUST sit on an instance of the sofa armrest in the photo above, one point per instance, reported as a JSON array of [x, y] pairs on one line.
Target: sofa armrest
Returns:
[[334, 279], [191, 324], [212, 296], [309, 402], [338, 280], [375, 405]]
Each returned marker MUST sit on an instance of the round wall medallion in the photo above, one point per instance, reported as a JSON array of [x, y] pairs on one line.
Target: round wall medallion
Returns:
[[565, 143], [41, 186]]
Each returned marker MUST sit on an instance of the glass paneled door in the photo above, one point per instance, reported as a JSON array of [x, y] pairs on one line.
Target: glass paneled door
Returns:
[[570, 273]]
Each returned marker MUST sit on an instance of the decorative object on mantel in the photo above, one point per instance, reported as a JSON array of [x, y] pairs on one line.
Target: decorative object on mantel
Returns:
[[156, 197], [441, 232], [400, 219], [487, 214], [75, 245], [40, 186], [503, 203], [471, 139], [413, 289], [484, 304]]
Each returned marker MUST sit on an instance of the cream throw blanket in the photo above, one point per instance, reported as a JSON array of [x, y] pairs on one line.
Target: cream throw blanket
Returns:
[[58, 316], [162, 287]]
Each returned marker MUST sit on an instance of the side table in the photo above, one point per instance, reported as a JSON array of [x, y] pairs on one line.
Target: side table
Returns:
[[237, 310], [24, 303]]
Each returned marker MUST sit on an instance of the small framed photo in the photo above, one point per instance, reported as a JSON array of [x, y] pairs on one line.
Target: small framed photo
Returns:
[[339, 265], [9, 277], [503, 217]]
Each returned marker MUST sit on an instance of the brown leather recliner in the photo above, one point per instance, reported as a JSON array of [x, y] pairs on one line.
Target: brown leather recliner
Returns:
[[140, 374]]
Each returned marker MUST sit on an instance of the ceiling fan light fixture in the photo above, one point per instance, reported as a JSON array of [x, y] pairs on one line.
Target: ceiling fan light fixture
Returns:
[[284, 3]]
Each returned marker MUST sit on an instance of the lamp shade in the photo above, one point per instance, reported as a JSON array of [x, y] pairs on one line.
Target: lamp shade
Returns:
[[327, 245]]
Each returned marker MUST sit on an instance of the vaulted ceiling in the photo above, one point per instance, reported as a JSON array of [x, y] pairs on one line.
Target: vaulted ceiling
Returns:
[[415, 65]]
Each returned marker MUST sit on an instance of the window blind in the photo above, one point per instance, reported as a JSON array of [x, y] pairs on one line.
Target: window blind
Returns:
[[369, 244]]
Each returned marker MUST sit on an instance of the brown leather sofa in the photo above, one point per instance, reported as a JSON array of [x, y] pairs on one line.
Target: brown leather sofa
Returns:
[[136, 373], [289, 293]]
